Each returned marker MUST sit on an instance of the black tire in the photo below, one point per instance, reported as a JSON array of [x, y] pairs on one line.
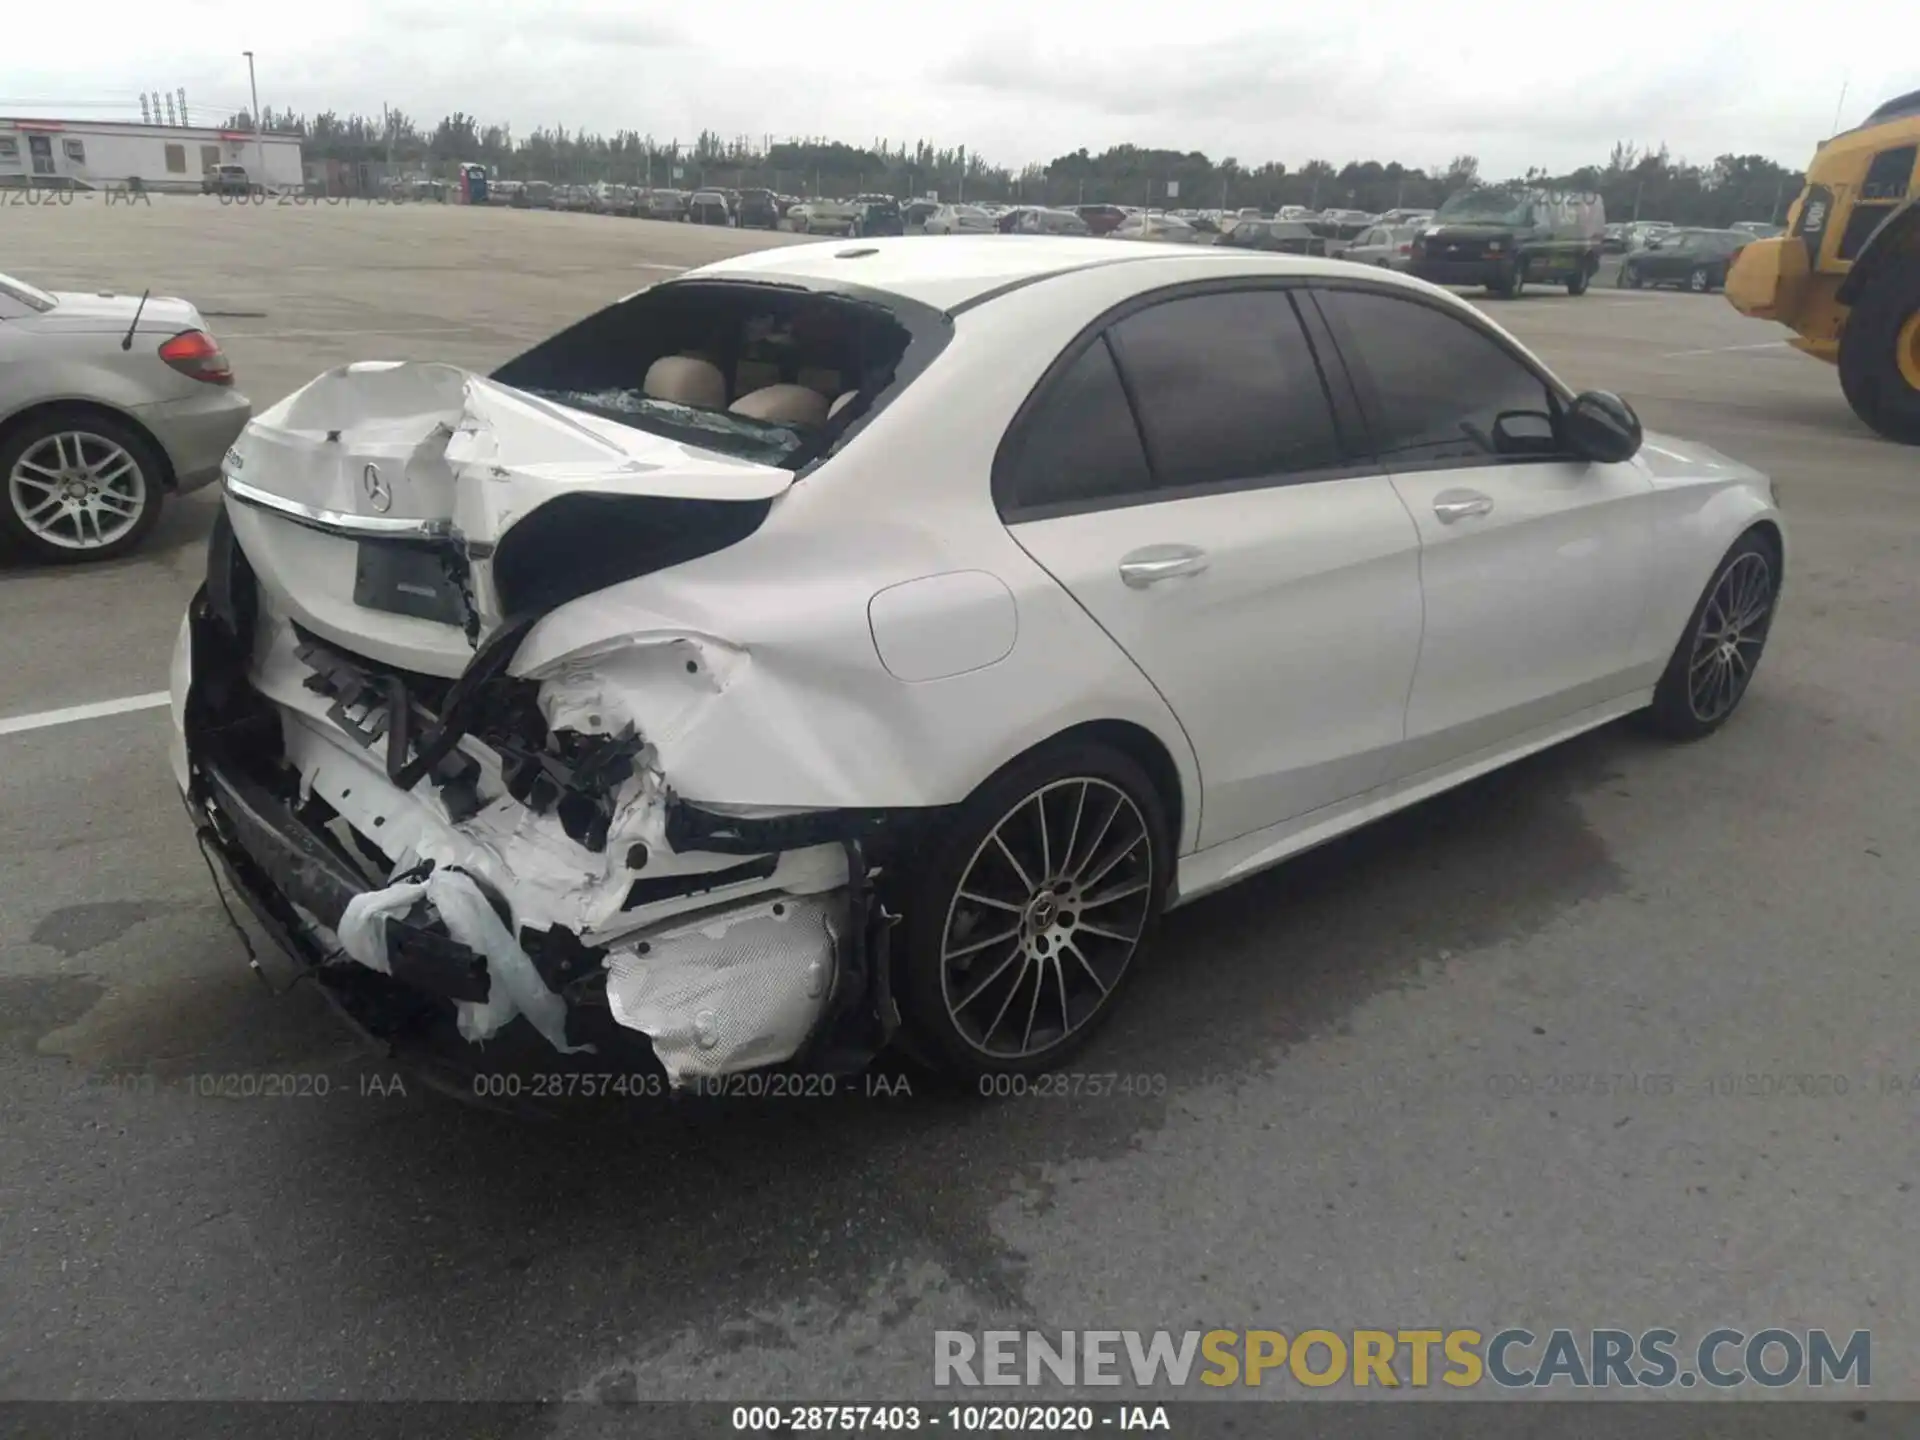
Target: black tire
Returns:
[[1512, 282], [1730, 617], [1581, 279], [1870, 373], [98, 425], [1101, 800]]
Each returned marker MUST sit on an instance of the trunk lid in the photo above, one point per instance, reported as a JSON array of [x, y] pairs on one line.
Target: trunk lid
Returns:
[[373, 504], [106, 312]]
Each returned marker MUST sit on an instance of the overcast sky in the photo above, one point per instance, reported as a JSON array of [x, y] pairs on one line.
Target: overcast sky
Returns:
[[1515, 82]]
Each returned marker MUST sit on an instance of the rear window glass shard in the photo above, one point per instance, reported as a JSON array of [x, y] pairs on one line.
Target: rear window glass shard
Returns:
[[1228, 389], [744, 368]]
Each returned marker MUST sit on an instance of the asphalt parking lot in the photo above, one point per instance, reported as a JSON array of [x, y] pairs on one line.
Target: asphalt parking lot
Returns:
[[1411, 1079]]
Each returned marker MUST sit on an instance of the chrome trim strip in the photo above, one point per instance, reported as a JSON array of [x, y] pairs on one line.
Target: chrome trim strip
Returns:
[[336, 522]]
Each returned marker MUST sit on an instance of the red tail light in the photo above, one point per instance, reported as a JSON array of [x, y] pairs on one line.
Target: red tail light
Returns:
[[1406, 249], [197, 355]]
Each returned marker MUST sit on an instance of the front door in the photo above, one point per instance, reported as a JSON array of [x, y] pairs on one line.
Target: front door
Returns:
[[1186, 481], [1533, 562], [40, 147]]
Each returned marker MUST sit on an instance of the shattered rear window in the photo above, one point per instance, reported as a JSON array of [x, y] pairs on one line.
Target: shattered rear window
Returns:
[[756, 440], [814, 361]]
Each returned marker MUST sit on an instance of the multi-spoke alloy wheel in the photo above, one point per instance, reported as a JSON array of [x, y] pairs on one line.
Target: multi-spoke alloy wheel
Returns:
[[1715, 660], [1031, 910], [1729, 638], [79, 490], [1047, 916]]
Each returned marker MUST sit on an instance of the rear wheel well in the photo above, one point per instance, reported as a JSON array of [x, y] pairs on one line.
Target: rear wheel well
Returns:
[[84, 409], [1138, 744]]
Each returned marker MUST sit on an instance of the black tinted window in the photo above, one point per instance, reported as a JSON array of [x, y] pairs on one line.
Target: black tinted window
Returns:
[[1228, 389], [1080, 444], [1439, 383]]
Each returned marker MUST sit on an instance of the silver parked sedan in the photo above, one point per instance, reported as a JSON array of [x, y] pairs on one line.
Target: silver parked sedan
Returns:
[[107, 403], [1388, 246]]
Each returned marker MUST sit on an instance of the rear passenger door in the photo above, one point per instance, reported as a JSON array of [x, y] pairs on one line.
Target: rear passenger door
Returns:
[[1189, 476]]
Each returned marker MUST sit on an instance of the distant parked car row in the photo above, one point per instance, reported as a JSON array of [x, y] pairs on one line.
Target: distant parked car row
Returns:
[[749, 209]]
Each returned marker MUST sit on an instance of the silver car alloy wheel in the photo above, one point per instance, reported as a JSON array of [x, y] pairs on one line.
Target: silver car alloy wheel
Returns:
[[1733, 631], [77, 490], [1047, 915]]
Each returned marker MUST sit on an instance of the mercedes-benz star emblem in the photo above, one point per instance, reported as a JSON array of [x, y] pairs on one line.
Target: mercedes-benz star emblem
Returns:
[[378, 491]]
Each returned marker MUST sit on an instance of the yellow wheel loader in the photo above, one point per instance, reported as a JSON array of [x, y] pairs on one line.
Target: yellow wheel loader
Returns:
[[1846, 275]]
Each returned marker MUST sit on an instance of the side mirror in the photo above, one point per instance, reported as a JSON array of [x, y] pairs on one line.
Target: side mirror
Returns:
[[1602, 427]]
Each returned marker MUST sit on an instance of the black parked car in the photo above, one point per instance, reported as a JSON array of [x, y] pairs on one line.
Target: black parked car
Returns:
[[880, 215], [709, 207], [758, 210], [1102, 219], [1695, 259]]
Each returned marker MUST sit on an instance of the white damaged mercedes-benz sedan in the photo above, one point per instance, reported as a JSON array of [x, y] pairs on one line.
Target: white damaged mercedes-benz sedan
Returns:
[[861, 644]]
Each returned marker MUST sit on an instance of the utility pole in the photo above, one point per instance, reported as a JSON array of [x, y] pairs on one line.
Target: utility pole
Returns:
[[259, 139], [1845, 81]]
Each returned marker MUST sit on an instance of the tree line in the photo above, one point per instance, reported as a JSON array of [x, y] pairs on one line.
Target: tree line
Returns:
[[1635, 182]]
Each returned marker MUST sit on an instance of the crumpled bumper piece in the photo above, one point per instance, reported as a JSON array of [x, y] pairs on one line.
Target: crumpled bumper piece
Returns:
[[516, 988], [733, 992]]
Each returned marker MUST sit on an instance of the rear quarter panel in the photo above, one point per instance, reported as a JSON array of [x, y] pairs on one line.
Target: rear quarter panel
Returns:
[[44, 366]]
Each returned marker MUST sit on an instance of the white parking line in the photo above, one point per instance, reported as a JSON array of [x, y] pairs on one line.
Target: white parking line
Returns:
[[1724, 349], [649, 265], [15, 724]]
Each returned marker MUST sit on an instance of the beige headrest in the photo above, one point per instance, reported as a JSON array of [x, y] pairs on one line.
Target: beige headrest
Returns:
[[842, 403], [686, 380], [783, 404]]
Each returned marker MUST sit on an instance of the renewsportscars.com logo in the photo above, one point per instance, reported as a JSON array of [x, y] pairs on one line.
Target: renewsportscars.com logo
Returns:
[[1511, 1359]]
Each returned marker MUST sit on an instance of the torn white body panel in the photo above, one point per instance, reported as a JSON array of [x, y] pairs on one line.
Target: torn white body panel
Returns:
[[546, 876], [690, 977], [734, 992]]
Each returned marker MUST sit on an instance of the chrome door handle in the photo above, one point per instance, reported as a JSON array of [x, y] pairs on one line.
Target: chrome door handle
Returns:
[[1452, 505], [1141, 568]]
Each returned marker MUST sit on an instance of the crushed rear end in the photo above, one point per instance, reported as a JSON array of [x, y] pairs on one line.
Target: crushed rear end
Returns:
[[450, 839]]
